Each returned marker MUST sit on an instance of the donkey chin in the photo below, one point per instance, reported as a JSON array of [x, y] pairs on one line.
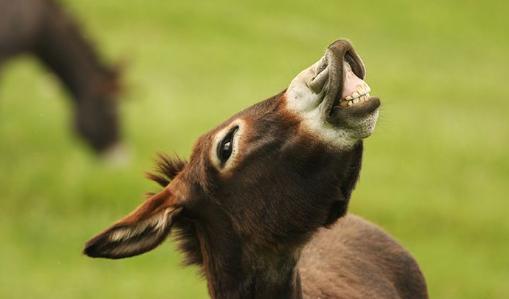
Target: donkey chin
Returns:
[[333, 99]]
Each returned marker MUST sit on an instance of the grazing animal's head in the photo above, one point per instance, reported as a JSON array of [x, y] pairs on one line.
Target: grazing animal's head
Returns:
[[96, 109], [265, 179]]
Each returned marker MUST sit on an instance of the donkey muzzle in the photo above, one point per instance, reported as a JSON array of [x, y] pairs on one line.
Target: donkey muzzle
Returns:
[[340, 78]]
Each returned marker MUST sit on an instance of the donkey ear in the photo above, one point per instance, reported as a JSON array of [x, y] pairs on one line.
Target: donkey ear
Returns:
[[141, 231]]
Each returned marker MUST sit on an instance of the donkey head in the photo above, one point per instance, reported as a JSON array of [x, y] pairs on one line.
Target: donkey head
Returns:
[[267, 178]]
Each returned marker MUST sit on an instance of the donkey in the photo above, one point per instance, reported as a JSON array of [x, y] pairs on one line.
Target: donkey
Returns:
[[43, 29], [258, 203]]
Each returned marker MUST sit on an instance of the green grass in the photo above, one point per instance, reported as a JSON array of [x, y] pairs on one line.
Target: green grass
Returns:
[[435, 173]]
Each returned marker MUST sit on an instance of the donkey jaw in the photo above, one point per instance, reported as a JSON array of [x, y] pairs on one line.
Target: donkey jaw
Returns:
[[332, 99]]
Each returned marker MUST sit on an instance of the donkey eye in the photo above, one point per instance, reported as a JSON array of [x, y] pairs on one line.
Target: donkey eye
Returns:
[[225, 147]]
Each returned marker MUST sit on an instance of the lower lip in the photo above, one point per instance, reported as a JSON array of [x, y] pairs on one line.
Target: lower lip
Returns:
[[362, 108]]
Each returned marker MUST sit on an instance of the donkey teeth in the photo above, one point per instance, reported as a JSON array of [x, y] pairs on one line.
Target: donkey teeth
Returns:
[[349, 100]]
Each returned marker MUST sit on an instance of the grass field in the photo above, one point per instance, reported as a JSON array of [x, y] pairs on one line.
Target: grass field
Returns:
[[436, 171]]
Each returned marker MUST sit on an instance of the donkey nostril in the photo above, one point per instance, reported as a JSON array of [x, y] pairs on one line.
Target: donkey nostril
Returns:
[[321, 69], [352, 60], [317, 82]]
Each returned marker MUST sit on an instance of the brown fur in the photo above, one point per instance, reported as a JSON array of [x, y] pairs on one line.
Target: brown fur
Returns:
[[355, 259], [43, 29]]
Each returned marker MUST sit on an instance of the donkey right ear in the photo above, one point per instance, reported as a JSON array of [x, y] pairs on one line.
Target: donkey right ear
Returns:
[[141, 231]]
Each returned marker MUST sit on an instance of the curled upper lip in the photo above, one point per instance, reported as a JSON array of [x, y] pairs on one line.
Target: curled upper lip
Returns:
[[330, 77]]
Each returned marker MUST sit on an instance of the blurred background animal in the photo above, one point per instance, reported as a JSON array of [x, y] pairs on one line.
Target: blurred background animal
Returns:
[[43, 28]]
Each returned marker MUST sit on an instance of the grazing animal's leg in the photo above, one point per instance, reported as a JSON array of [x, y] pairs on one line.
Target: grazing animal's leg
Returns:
[[61, 46]]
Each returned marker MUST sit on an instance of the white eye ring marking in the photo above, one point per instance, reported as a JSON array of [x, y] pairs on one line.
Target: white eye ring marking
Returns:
[[218, 138]]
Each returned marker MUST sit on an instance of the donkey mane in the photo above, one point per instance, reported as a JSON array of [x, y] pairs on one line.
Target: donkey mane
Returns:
[[166, 169], [183, 231]]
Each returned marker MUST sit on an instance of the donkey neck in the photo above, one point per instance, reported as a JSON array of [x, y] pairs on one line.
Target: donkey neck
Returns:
[[236, 271]]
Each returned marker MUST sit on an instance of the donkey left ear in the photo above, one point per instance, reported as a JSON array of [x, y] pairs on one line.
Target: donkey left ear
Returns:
[[141, 231]]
